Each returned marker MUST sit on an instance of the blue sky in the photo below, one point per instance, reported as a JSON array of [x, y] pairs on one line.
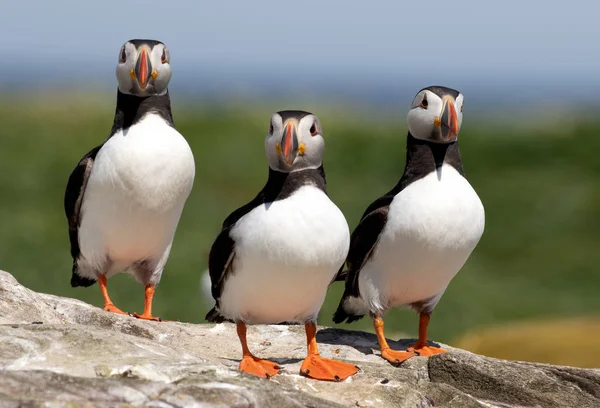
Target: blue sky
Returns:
[[312, 44]]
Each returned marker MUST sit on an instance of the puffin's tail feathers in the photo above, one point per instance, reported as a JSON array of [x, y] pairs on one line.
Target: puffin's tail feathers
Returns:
[[214, 316], [350, 309], [77, 280]]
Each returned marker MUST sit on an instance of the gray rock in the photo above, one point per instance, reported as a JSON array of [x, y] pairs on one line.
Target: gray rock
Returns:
[[82, 356]]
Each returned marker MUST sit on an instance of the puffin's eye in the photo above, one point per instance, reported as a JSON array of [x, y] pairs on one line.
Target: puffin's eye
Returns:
[[163, 57], [313, 129], [461, 107], [271, 128], [424, 103], [123, 55]]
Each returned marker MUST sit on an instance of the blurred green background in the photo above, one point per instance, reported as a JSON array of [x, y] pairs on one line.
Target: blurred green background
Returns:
[[538, 179]]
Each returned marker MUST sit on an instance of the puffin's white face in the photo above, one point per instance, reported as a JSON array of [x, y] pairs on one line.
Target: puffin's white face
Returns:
[[144, 68], [294, 142], [436, 114]]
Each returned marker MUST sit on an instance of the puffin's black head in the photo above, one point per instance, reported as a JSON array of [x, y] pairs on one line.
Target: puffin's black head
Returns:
[[436, 114], [144, 68], [295, 141]]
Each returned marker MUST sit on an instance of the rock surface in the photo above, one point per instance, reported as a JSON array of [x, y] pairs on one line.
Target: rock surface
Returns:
[[62, 352]]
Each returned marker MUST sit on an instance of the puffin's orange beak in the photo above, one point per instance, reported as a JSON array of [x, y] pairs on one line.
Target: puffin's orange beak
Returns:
[[143, 69], [449, 121], [289, 142]]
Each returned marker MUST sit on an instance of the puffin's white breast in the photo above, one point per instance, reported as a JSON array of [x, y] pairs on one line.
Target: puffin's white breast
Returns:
[[139, 183], [287, 253], [433, 226]]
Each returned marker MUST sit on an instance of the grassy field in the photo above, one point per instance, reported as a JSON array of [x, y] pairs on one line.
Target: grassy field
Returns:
[[540, 185]]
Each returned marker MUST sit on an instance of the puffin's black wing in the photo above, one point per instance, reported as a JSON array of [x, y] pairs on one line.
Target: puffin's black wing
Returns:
[[365, 236], [220, 262], [73, 199], [362, 244], [222, 254]]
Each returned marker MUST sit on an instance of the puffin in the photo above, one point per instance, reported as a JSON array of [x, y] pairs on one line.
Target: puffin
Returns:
[[413, 240], [124, 198], [275, 257]]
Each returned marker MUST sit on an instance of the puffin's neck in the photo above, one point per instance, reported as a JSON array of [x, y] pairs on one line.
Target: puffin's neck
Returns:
[[281, 185], [429, 155], [131, 109], [423, 158]]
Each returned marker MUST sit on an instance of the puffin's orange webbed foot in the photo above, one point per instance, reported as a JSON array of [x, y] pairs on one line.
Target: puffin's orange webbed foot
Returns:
[[108, 304], [145, 316], [397, 357], [393, 356], [113, 309], [251, 364], [319, 368], [426, 350], [421, 348], [259, 367]]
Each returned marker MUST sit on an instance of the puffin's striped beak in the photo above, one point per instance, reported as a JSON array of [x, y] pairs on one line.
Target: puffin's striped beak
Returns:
[[289, 142], [143, 68], [449, 121]]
